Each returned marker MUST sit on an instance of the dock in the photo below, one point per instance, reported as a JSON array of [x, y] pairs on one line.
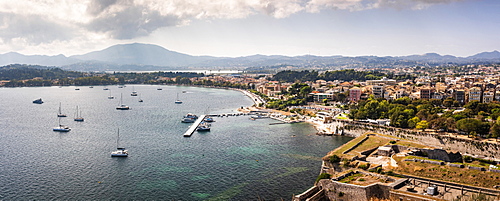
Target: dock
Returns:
[[193, 127]]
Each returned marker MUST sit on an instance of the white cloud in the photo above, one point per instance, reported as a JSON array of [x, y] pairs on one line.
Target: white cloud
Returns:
[[46, 21]]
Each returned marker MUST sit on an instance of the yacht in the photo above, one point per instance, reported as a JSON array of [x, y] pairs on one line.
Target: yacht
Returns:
[[38, 101], [189, 118], [60, 114], [134, 93], [78, 115], [61, 128], [110, 96], [122, 106], [204, 126], [208, 119], [178, 101], [120, 151]]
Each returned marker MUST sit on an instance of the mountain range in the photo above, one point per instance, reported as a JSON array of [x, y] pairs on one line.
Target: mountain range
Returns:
[[138, 56]]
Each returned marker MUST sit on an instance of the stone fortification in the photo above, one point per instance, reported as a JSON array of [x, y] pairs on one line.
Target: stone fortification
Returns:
[[446, 142]]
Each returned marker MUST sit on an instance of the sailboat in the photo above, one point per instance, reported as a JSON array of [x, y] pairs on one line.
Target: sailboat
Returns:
[[120, 151], [140, 99], [178, 101], [122, 106], [78, 115], [60, 114], [61, 128], [110, 96], [134, 93]]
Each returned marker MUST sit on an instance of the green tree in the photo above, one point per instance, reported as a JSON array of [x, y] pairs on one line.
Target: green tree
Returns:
[[412, 123], [469, 125], [422, 125]]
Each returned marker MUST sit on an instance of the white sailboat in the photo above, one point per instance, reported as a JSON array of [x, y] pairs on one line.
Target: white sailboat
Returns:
[[178, 101], [110, 96], [78, 115], [60, 114], [61, 128], [134, 93], [120, 151], [122, 106]]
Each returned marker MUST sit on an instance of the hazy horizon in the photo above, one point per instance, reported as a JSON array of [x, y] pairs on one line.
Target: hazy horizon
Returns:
[[226, 28]]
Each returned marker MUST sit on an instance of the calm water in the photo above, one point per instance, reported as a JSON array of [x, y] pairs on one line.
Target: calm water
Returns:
[[239, 159]]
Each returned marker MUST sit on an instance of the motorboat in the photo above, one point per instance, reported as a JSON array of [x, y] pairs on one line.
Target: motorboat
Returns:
[[189, 118], [204, 126], [209, 119], [38, 101]]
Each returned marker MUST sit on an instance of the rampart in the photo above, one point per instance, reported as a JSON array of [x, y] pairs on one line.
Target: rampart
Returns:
[[442, 141]]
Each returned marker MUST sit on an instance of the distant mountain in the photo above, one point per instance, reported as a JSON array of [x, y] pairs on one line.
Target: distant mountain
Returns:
[[137, 56], [141, 54], [16, 58], [486, 55]]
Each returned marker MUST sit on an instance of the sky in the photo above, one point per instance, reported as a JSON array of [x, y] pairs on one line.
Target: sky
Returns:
[[234, 28]]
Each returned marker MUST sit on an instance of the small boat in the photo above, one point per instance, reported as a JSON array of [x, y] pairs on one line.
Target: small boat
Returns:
[[178, 101], [110, 96], [105, 88], [189, 118], [77, 89], [204, 126], [120, 151], [134, 93], [91, 87], [38, 101], [159, 88], [209, 119], [60, 114], [78, 115], [122, 106], [61, 128], [184, 92]]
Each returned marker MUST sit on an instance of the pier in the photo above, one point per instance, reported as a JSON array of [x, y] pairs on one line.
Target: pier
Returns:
[[193, 127]]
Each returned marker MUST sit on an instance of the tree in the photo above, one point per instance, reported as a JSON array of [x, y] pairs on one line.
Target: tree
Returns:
[[412, 123], [469, 125], [422, 125]]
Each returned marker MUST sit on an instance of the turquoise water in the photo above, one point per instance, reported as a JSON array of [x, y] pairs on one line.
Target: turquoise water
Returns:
[[239, 159]]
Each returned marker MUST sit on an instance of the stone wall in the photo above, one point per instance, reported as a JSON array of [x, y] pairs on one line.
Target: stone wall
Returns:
[[464, 146], [335, 190]]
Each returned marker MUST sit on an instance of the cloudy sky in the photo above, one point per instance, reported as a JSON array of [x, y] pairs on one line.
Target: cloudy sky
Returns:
[[247, 27]]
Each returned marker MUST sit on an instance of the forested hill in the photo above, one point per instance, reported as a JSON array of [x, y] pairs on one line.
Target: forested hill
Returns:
[[345, 75], [23, 72]]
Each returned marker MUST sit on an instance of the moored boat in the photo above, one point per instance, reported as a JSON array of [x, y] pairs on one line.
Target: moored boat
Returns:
[[38, 101]]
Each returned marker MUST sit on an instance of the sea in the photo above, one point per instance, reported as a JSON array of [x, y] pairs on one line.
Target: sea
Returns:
[[239, 159]]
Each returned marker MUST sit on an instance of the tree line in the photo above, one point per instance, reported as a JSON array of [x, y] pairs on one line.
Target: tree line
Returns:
[[477, 119], [345, 75]]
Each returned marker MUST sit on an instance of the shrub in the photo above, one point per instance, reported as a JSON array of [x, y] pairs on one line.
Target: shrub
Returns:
[[323, 176], [334, 159]]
